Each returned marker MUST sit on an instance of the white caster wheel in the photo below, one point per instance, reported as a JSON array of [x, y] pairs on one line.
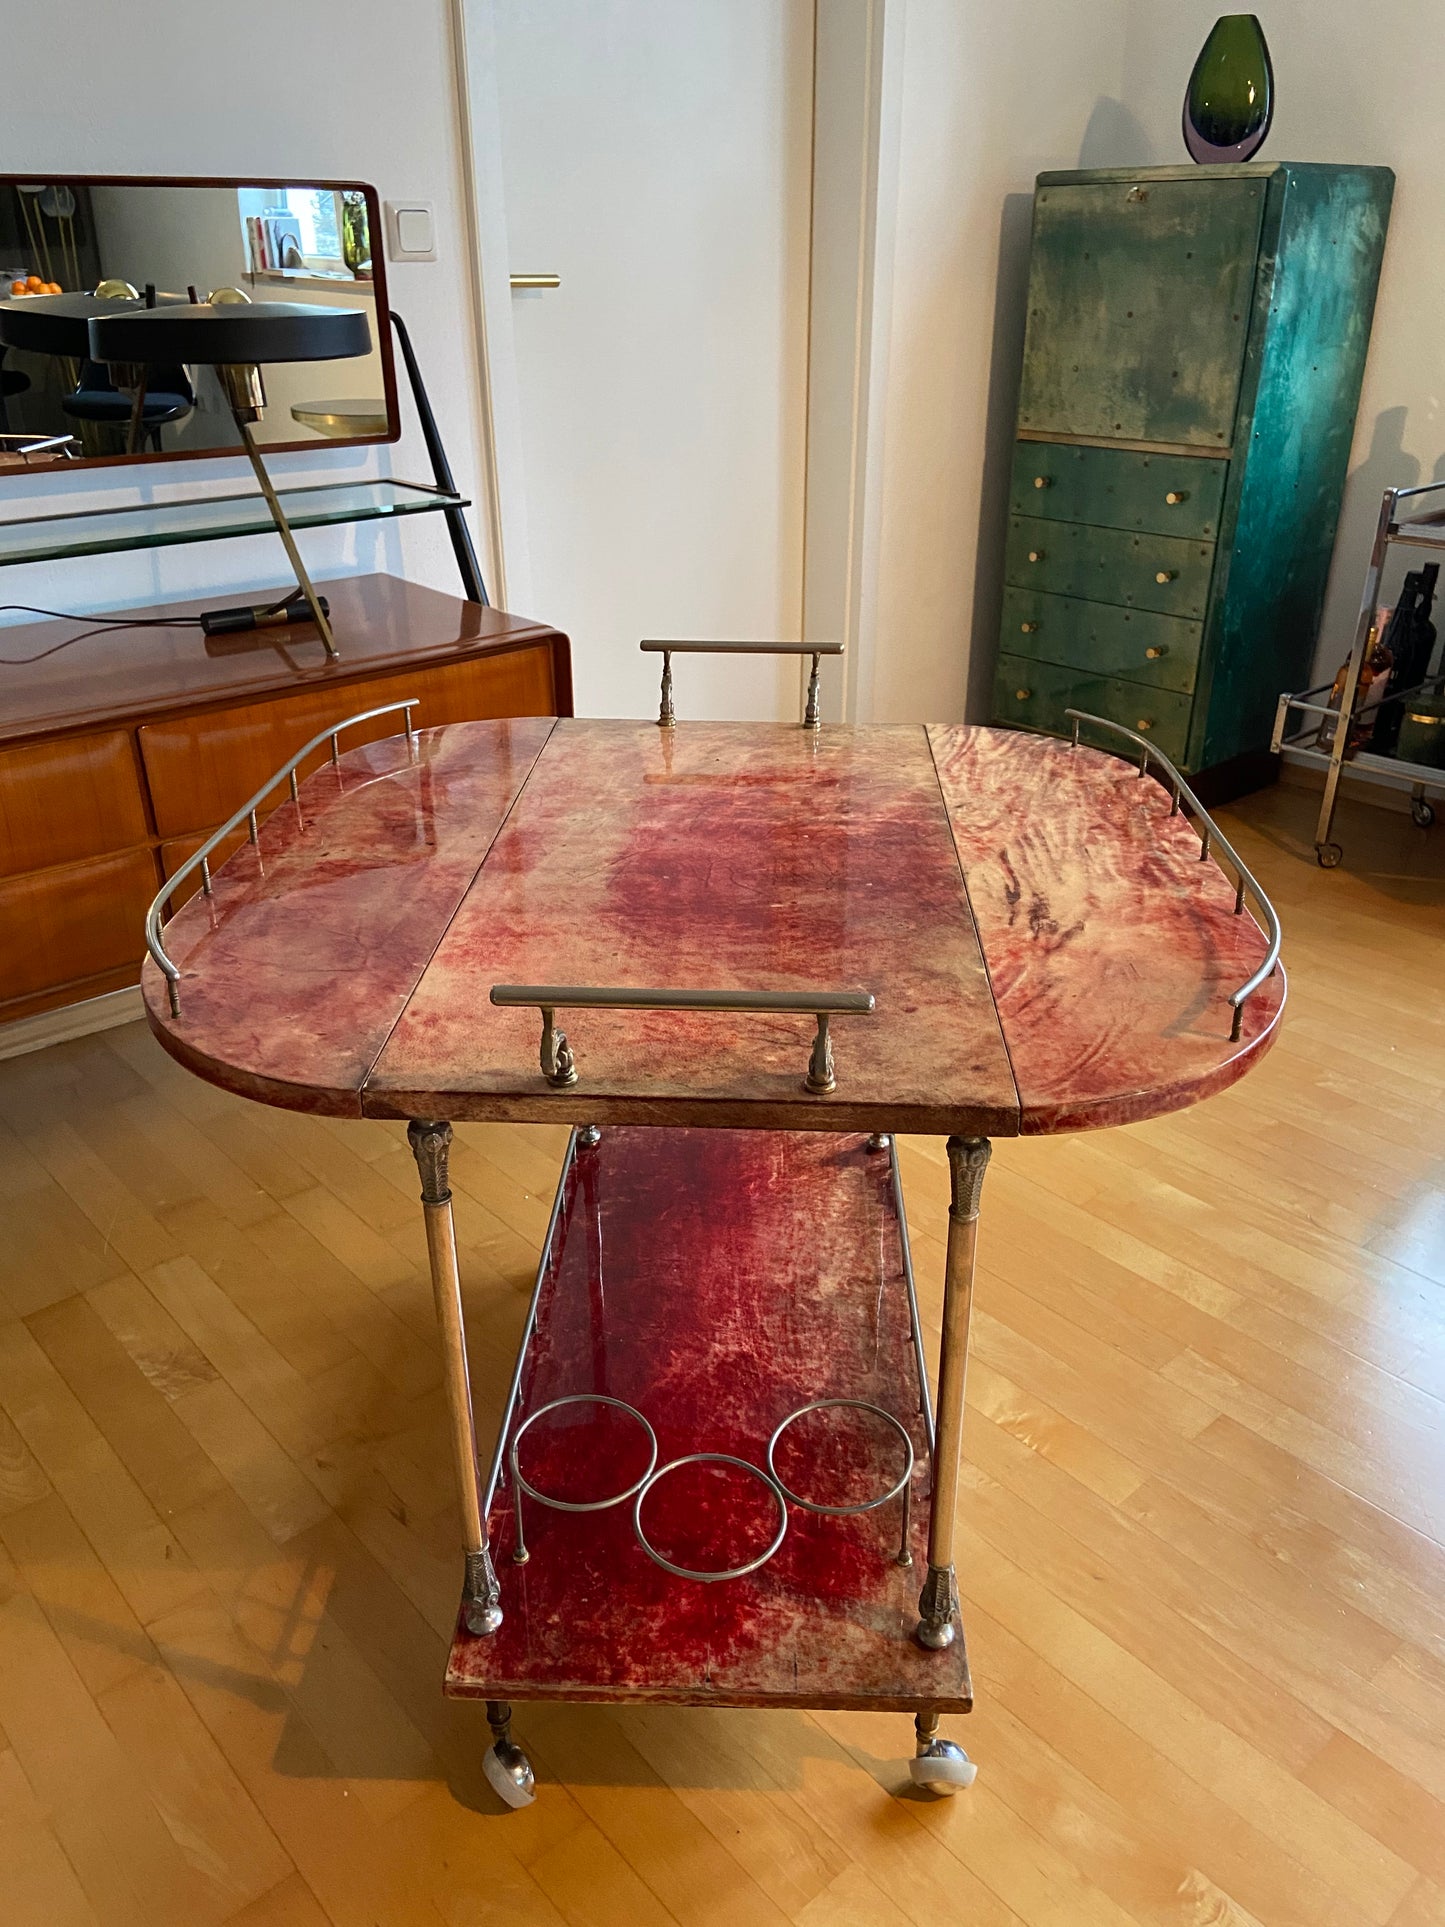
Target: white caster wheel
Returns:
[[509, 1774], [942, 1767]]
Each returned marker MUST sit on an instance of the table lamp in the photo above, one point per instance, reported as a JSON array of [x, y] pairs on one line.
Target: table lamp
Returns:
[[235, 336]]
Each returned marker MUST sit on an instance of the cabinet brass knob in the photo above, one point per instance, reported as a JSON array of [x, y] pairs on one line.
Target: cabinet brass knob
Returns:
[[1145, 722], [1165, 575], [1036, 555], [1022, 695], [1028, 628], [1176, 496], [1153, 655], [1042, 481]]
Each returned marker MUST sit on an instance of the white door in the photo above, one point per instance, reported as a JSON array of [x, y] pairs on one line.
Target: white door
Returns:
[[656, 155]]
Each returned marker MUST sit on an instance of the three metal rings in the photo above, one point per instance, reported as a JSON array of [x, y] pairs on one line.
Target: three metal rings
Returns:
[[782, 1496]]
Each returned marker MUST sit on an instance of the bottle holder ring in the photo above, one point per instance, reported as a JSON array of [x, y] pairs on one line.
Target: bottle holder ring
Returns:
[[855, 1405], [520, 1484], [712, 1458], [902, 1485]]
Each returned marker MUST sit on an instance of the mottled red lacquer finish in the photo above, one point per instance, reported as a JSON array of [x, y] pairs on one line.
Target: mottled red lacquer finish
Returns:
[[717, 1280], [716, 856], [1111, 946], [296, 968], [347, 968]]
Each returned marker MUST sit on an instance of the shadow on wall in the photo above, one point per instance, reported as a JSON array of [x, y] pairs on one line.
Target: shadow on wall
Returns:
[[1387, 465], [1115, 138], [1005, 365]]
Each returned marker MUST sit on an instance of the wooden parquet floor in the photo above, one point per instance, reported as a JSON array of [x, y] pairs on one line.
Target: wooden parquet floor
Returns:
[[1202, 1519]]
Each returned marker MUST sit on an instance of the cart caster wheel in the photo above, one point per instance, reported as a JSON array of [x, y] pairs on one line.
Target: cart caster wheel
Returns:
[[509, 1774], [942, 1767], [1329, 856], [1422, 813]]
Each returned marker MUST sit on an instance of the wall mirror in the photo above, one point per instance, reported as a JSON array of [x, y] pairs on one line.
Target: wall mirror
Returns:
[[67, 245]]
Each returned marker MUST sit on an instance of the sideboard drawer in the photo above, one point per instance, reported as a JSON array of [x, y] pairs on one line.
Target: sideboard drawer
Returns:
[[1118, 488], [1160, 651], [1109, 565], [71, 797], [202, 768], [1036, 694], [64, 925]]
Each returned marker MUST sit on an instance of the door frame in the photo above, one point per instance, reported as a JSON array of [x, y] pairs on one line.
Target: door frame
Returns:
[[857, 63]]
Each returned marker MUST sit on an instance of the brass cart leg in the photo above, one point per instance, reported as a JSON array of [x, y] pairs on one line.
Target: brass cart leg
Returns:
[[967, 1161], [481, 1595]]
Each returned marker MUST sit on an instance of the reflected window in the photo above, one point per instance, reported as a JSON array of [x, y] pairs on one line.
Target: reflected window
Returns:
[[316, 210]]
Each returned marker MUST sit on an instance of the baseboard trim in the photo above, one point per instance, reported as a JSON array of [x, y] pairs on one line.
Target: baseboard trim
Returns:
[[71, 1020]]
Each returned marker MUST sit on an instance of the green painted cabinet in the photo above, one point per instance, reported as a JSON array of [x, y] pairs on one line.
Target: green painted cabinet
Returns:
[[1193, 356]]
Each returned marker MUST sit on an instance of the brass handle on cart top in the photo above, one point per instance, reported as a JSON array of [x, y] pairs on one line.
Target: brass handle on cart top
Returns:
[[1043, 481], [667, 649], [1176, 496], [1154, 654], [1036, 555], [1165, 575], [559, 1067]]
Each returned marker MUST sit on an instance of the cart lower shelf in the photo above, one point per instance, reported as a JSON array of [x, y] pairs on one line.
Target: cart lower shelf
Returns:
[[715, 1282]]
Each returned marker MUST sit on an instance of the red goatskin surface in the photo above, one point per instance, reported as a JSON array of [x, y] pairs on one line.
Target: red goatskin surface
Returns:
[[717, 1280]]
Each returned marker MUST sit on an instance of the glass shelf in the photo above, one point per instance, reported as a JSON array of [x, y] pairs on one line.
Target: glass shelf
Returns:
[[158, 525]]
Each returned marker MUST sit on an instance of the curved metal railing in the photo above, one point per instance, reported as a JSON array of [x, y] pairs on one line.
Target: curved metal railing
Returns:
[[247, 814], [1212, 839]]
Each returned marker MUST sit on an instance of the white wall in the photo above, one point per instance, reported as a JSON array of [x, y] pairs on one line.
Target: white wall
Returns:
[[1353, 83], [307, 89], [990, 96]]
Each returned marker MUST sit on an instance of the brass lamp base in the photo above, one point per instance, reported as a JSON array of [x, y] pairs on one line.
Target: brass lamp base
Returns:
[[283, 529]]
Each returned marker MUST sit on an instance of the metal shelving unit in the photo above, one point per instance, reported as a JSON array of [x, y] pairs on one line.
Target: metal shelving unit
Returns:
[[1322, 731]]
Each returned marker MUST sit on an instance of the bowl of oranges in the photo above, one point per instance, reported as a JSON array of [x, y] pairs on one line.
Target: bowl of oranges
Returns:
[[32, 284]]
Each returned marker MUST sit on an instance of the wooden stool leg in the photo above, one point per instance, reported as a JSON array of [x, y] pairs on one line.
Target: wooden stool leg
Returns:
[[938, 1615], [481, 1594]]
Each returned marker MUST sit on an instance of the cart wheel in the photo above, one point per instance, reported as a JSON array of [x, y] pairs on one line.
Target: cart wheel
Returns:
[[942, 1767], [509, 1774], [1329, 856], [1422, 812]]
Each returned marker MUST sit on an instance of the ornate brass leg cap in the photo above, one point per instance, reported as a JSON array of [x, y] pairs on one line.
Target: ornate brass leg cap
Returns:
[[937, 1623], [481, 1595]]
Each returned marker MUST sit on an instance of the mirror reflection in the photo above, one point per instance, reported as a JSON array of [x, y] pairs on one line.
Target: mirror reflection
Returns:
[[68, 246]]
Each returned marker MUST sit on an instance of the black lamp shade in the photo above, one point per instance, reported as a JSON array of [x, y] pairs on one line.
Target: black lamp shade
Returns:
[[239, 332], [58, 324]]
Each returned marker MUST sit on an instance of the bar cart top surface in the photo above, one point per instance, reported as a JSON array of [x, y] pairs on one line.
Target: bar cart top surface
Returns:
[[1045, 948]]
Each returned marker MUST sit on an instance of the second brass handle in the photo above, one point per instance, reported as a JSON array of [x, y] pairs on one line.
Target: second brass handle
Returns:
[[535, 280], [1153, 655], [1165, 575], [1176, 496]]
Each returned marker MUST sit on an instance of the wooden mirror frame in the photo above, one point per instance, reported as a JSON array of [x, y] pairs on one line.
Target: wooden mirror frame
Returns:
[[378, 288]]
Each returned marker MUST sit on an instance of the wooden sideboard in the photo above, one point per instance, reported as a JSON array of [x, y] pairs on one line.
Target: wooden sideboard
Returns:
[[121, 749]]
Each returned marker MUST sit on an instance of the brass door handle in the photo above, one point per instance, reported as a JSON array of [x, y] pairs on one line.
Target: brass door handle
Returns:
[[1153, 655], [1144, 722], [535, 281], [1036, 555], [1165, 575], [1022, 695], [1027, 628], [1043, 481], [1176, 496]]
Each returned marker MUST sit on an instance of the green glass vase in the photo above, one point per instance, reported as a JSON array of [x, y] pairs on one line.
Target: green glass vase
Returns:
[[1229, 102]]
